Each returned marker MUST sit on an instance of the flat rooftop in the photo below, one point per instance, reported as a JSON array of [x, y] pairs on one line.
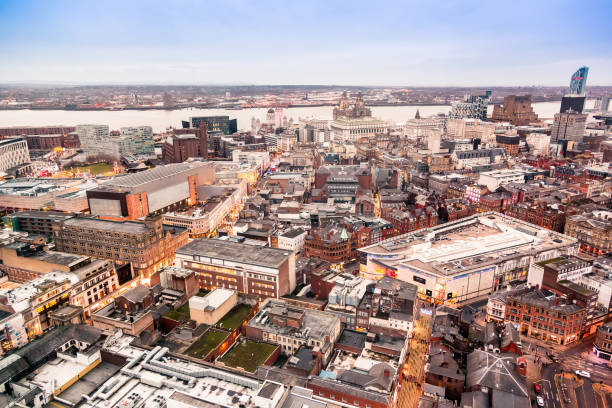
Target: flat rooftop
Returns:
[[235, 252], [462, 245], [128, 227]]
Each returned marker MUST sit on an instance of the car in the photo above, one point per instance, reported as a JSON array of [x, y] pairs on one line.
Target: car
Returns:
[[583, 373], [540, 401], [537, 388]]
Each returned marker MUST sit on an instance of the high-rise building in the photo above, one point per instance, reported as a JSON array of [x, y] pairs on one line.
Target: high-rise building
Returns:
[[473, 106], [95, 140], [578, 81], [605, 103], [516, 110], [569, 125], [137, 141], [577, 92], [186, 143]]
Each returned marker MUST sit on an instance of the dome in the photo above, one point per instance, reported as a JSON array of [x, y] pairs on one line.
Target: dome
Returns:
[[270, 110]]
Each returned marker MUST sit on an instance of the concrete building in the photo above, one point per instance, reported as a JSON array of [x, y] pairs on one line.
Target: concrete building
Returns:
[[493, 179], [150, 192], [95, 140], [568, 126], [211, 308], [14, 156], [255, 270], [136, 141], [184, 144], [464, 259], [32, 194], [292, 327], [36, 222], [353, 121], [292, 240], [470, 159]]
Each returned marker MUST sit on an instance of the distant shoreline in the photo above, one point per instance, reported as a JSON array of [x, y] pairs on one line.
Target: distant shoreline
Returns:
[[161, 108]]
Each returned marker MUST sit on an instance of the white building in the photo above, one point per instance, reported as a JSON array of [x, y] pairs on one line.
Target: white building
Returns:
[[13, 153], [493, 179], [351, 129], [137, 141], [292, 240], [95, 140], [465, 259]]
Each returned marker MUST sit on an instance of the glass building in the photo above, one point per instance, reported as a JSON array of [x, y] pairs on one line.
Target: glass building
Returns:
[[578, 81]]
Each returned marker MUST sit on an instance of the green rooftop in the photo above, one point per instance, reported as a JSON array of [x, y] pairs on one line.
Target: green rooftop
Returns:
[[550, 261], [180, 314], [234, 318], [249, 355], [207, 342]]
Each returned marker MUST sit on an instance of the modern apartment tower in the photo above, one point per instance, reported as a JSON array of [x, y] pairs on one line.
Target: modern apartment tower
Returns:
[[473, 107]]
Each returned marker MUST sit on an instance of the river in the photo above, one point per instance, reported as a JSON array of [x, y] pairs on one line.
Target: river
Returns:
[[162, 119]]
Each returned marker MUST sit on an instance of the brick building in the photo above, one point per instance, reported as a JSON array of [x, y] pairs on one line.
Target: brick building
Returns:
[[516, 109], [251, 269], [147, 246], [186, 143], [540, 214], [542, 315]]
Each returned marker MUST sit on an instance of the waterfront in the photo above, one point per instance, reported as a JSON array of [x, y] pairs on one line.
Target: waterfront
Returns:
[[160, 120]]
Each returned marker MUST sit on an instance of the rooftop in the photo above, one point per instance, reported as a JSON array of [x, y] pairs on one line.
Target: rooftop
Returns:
[[235, 252]]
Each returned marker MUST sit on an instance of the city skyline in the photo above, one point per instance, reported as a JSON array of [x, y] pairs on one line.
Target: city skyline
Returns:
[[394, 44]]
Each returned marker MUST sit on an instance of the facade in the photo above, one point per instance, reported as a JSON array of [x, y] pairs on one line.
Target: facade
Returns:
[[184, 144], [31, 194], [52, 141], [516, 110], [211, 308], [214, 124], [494, 179], [542, 315], [343, 183], [469, 159], [578, 81], [29, 130], [603, 341], [136, 141], [292, 240], [353, 121], [36, 222], [510, 143], [473, 107], [464, 259], [568, 126], [292, 327], [255, 270], [95, 140], [593, 230], [540, 214], [149, 192], [147, 246], [14, 154]]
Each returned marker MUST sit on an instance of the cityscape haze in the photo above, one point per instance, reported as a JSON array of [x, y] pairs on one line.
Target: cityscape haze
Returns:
[[398, 204]]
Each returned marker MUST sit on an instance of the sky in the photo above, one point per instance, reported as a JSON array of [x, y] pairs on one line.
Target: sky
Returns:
[[351, 42]]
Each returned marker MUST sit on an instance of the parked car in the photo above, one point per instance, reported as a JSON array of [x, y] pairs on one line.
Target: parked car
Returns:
[[537, 388], [584, 374]]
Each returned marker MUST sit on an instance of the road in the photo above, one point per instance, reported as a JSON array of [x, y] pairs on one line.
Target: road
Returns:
[[567, 390]]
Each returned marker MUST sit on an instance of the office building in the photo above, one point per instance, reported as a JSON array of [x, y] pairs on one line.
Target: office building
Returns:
[[472, 107], [568, 126], [593, 230], [251, 269], [214, 124], [153, 191], [353, 120], [31, 130], [137, 141], [14, 156], [464, 259], [544, 316], [184, 144], [45, 194], [573, 103], [516, 109], [493, 179], [147, 246]]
